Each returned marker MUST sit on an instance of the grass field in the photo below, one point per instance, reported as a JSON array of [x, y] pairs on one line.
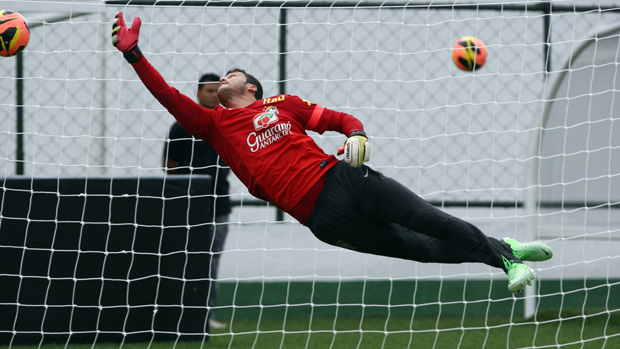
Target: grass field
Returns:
[[571, 330]]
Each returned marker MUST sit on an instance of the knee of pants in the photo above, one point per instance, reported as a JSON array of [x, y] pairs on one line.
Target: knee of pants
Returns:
[[465, 233], [434, 222]]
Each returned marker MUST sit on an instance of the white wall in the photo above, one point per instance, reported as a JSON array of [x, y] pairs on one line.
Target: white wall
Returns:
[[264, 251]]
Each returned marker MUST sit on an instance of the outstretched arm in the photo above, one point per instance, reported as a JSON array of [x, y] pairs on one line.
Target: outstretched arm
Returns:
[[190, 115]]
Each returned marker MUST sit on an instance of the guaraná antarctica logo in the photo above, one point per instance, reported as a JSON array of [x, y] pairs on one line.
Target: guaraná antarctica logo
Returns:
[[271, 134]]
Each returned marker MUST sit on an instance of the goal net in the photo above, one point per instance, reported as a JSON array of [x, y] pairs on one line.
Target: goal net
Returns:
[[528, 147]]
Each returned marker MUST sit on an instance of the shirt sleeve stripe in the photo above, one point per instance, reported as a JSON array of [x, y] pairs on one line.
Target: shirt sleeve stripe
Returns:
[[316, 116]]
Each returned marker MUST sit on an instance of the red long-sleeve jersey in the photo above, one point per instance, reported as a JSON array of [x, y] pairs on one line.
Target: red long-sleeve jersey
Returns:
[[265, 144]]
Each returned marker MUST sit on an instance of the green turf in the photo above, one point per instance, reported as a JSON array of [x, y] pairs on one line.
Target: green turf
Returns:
[[377, 314], [551, 329], [403, 297]]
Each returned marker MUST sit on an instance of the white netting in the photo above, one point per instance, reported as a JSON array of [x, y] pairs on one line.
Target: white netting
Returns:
[[453, 137]]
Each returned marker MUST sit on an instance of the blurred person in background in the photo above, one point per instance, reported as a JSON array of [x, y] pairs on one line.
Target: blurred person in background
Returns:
[[184, 154]]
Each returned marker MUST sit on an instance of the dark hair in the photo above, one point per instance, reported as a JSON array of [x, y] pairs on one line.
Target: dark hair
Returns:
[[249, 78], [208, 78]]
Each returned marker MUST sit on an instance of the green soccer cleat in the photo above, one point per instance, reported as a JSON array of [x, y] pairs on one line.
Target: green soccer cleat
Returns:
[[519, 275], [530, 251]]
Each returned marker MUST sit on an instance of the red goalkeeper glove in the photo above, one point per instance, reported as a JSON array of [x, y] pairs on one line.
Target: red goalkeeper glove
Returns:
[[126, 40], [356, 149]]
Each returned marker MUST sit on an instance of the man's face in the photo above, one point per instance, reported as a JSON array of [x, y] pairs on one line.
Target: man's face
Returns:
[[231, 86], [207, 95]]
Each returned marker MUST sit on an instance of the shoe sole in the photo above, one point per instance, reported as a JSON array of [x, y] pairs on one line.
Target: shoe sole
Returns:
[[518, 287]]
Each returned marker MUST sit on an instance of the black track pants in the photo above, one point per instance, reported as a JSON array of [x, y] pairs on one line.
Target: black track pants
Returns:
[[362, 210]]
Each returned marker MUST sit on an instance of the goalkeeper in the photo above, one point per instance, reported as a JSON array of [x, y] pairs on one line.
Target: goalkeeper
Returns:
[[344, 203]]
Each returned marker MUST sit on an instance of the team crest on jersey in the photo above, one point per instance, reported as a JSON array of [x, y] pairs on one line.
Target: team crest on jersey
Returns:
[[266, 118]]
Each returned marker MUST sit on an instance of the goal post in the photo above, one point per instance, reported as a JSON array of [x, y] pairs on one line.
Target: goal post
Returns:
[[554, 186], [525, 147], [562, 203]]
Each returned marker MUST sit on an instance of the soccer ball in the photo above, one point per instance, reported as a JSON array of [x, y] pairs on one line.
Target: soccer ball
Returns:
[[14, 33], [469, 53]]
